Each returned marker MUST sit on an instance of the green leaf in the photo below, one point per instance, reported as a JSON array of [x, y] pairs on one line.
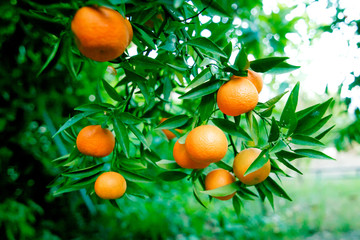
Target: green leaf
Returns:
[[168, 164], [289, 165], [223, 165], [206, 106], [146, 62], [207, 45], [237, 204], [224, 190], [265, 64], [94, 107], [268, 194], [318, 126], [172, 176], [231, 128], [282, 67], [258, 162], [129, 119], [177, 68], [134, 177], [122, 136], [227, 51], [321, 135], [202, 90], [143, 36], [275, 99], [202, 77], [267, 112], [275, 188], [288, 155], [311, 153], [280, 145], [51, 56], [288, 116], [75, 185], [139, 136], [313, 117], [173, 122], [305, 140], [112, 92], [85, 172], [198, 186], [74, 120], [241, 60], [274, 131]]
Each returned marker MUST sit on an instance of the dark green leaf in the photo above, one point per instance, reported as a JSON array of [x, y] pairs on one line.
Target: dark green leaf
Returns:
[[51, 56], [231, 128], [111, 91], [75, 185], [288, 116], [289, 165], [268, 194], [275, 188], [177, 68], [311, 153], [321, 135], [288, 155], [305, 140], [172, 175], [143, 36], [202, 77], [237, 204], [85, 172], [134, 177], [265, 64], [274, 131], [122, 136], [275, 99], [94, 107], [139, 136], [282, 67], [241, 60], [173, 122], [227, 51], [207, 45], [318, 126], [146, 62], [258, 162], [206, 106], [74, 120], [223, 165], [202, 90], [129, 119], [313, 117]]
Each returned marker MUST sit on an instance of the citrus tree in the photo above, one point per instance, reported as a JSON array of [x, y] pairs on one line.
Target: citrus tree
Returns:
[[176, 70]]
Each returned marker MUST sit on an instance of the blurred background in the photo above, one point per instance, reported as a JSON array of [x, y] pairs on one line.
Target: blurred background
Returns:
[[323, 37]]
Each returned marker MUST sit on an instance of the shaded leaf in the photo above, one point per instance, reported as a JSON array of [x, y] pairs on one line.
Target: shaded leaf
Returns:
[[172, 175], [265, 64], [122, 136], [224, 190], [174, 122], [207, 45], [202, 90], [231, 128], [85, 172], [305, 140], [311, 153]]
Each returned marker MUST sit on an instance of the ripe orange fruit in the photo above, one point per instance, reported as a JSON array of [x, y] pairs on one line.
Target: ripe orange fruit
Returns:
[[243, 161], [170, 135], [206, 144], [183, 160], [110, 185], [101, 33], [237, 96], [130, 30], [218, 178], [95, 141], [255, 78]]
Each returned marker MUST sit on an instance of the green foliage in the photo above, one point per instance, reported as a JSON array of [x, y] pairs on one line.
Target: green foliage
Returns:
[[193, 67]]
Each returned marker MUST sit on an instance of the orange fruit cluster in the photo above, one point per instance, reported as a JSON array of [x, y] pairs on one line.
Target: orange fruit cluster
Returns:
[[240, 94], [204, 145], [101, 33]]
